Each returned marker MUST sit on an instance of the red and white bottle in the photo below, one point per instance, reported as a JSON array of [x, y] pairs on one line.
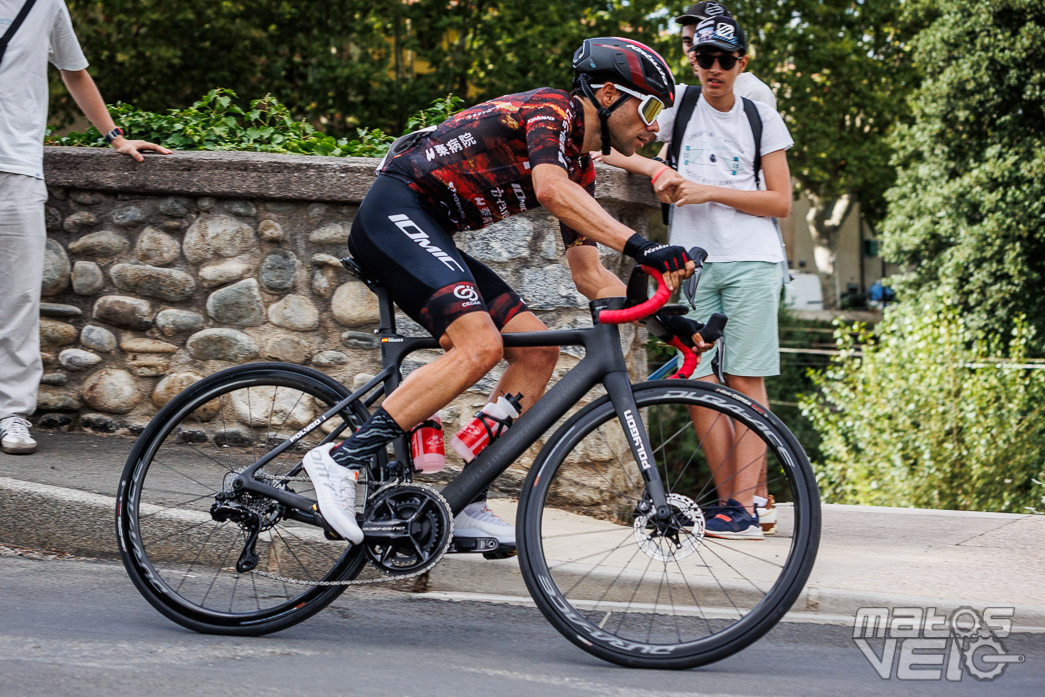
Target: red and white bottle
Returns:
[[426, 444], [488, 424]]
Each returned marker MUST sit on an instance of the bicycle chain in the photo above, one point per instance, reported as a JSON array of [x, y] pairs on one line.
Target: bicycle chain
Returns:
[[389, 576]]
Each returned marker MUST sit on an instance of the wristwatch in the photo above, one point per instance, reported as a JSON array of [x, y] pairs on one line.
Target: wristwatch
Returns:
[[659, 159], [113, 134]]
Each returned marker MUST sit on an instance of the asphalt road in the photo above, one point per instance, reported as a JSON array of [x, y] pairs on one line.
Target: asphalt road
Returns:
[[78, 627]]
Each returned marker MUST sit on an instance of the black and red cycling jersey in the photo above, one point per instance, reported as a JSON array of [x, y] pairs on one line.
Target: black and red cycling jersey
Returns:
[[476, 168]]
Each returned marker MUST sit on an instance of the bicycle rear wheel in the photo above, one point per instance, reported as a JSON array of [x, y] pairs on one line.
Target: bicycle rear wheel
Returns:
[[642, 593], [183, 527]]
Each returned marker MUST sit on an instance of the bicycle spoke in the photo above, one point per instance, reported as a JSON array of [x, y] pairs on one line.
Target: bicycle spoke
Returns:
[[660, 581]]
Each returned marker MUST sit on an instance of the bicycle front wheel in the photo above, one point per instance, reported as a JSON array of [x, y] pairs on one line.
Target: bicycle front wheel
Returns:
[[642, 592], [184, 528]]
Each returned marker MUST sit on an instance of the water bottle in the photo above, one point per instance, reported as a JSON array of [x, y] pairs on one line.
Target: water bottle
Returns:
[[426, 443], [488, 424]]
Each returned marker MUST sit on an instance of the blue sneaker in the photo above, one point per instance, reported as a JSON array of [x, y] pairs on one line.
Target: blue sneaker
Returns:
[[733, 522]]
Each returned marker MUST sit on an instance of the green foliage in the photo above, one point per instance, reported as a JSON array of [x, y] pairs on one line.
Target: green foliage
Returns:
[[341, 63], [970, 195], [216, 122], [841, 71], [921, 419], [840, 67]]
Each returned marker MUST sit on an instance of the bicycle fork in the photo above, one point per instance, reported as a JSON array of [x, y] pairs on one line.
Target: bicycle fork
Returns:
[[618, 385]]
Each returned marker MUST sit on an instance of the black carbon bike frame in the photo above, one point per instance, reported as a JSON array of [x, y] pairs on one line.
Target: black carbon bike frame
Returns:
[[603, 363]]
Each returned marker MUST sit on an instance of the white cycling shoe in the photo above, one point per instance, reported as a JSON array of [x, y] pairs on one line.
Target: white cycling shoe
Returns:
[[477, 520], [336, 491]]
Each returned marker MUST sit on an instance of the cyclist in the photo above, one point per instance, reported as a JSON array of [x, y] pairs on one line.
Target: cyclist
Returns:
[[484, 164]]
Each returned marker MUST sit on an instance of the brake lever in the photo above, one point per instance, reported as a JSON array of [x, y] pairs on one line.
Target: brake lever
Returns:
[[689, 287]]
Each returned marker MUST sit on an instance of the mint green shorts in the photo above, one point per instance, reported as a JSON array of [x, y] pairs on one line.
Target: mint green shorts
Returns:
[[748, 293]]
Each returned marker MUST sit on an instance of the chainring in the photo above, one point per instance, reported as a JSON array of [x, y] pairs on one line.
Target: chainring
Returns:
[[423, 526]]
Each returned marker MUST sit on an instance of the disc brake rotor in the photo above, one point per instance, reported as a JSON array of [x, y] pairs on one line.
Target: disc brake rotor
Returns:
[[675, 539]]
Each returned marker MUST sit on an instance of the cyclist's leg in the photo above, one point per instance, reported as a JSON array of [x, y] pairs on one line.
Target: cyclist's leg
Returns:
[[528, 368], [397, 240], [405, 248]]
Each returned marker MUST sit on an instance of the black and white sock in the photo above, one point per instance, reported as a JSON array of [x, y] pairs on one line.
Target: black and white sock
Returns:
[[379, 430]]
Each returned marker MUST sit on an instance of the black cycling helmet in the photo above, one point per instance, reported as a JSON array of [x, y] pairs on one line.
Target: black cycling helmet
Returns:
[[632, 66]]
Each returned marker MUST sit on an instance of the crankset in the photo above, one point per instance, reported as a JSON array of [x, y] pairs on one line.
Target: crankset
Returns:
[[407, 528]]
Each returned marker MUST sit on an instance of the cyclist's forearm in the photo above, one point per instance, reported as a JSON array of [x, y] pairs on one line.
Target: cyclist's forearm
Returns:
[[592, 279], [577, 209]]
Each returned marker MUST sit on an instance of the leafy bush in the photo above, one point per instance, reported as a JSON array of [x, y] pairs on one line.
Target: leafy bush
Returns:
[[920, 419], [216, 122]]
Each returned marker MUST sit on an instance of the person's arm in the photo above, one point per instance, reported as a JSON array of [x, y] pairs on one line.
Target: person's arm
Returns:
[[578, 210], [774, 202], [637, 164], [592, 279], [86, 95]]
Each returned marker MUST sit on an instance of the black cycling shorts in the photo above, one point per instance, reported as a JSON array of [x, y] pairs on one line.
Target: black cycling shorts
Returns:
[[412, 255]]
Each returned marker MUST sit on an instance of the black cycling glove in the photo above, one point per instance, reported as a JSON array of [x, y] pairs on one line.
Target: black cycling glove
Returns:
[[662, 257], [679, 326]]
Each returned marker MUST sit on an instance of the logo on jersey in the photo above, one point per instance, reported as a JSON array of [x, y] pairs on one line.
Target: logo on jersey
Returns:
[[411, 230]]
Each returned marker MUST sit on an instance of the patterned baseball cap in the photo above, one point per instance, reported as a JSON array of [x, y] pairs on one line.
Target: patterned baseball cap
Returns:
[[701, 11], [722, 33]]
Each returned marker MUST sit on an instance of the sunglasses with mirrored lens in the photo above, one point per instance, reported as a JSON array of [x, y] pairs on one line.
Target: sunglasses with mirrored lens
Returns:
[[649, 106], [706, 60]]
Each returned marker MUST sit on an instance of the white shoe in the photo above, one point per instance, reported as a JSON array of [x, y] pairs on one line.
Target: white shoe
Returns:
[[336, 491], [477, 520], [14, 436]]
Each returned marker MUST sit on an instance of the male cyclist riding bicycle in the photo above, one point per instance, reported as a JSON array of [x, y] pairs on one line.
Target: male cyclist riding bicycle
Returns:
[[482, 165]]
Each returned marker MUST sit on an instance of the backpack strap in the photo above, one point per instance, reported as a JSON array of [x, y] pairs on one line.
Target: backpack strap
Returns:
[[755, 119], [685, 112], [9, 34], [682, 117]]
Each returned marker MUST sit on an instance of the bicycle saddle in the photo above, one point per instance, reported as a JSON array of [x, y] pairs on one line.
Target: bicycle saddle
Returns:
[[356, 270]]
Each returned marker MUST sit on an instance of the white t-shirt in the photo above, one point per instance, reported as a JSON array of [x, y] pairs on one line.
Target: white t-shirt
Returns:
[[718, 149], [747, 85], [45, 35]]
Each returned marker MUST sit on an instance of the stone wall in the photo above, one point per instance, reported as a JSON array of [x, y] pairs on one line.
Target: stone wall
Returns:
[[160, 273]]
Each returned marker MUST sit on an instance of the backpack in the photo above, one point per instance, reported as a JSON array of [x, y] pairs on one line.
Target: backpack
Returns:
[[682, 117], [9, 34]]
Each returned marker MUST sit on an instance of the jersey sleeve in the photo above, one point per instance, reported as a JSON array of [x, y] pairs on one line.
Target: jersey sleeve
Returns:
[[547, 120], [586, 178]]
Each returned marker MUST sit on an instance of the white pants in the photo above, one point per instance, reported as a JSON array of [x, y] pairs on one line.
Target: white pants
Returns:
[[23, 236]]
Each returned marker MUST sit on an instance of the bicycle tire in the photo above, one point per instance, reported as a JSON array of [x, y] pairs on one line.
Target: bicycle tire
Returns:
[[178, 555], [635, 597]]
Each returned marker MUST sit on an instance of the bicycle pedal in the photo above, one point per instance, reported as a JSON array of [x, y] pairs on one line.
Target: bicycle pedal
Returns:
[[502, 552], [328, 532], [472, 545]]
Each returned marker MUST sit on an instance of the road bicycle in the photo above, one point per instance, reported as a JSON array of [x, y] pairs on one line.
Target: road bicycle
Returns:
[[219, 529]]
